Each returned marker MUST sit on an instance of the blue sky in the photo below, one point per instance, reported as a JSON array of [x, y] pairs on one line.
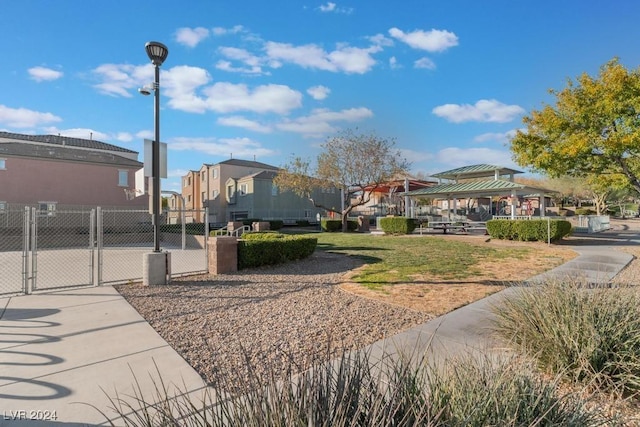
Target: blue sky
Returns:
[[449, 80]]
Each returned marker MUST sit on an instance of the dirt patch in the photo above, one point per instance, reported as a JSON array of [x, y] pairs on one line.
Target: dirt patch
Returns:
[[434, 295]]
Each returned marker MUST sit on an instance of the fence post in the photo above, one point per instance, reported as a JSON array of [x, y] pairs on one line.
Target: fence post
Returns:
[[26, 235], [98, 241], [223, 254], [32, 283]]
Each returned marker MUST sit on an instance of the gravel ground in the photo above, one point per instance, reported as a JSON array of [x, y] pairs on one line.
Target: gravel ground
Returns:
[[263, 321]]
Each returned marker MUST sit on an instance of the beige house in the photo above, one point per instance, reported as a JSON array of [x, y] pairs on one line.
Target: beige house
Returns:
[[237, 189], [54, 172]]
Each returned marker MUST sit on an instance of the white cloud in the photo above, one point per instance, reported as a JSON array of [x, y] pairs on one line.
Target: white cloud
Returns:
[[332, 7], [425, 63], [228, 97], [319, 92], [483, 111], [253, 63], [119, 79], [502, 137], [344, 59], [191, 36], [180, 84], [124, 137], [238, 147], [41, 74], [186, 89], [24, 118], [457, 157], [329, 7], [243, 122], [380, 40], [431, 41], [83, 133], [415, 156], [173, 173], [321, 121], [393, 63], [145, 134], [220, 31]]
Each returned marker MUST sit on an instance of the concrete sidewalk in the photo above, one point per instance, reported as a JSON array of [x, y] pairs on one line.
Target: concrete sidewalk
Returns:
[[62, 352]]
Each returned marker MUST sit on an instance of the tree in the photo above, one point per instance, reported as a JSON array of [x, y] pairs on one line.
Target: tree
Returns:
[[355, 163], [592, 131]]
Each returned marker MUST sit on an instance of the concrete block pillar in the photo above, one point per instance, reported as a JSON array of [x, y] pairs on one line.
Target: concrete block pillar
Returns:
[[156, 268], [223, 254]]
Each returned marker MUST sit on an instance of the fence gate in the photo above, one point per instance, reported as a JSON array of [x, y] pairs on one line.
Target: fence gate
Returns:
[[62, 250], [68, 248], [14, 245]]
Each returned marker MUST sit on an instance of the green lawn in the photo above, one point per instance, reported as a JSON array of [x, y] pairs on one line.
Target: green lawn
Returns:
[[395, 259]]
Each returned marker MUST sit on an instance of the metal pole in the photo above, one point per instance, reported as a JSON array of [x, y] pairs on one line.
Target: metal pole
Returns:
[[155, 171]]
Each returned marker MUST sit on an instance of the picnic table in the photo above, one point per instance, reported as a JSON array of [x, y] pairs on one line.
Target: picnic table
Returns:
[[463, 226]]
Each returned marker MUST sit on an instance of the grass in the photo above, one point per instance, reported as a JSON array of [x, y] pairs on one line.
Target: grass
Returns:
[[355, 391], [590, 336], [395, 259]]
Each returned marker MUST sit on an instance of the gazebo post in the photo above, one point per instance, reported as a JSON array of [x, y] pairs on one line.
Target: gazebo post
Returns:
[[514, 204]]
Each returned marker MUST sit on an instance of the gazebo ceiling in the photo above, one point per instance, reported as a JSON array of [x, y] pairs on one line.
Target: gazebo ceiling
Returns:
[[476, 171], [477, 189]]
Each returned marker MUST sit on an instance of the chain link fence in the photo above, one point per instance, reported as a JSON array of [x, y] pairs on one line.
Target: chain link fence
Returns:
[[67, 248], [14, 226]]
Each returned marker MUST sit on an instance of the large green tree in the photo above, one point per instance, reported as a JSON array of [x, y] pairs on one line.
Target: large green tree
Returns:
[[355, 163], [592, 130]]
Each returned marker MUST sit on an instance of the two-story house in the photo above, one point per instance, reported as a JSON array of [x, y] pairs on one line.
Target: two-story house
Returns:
[[236, 189], [54, 172]]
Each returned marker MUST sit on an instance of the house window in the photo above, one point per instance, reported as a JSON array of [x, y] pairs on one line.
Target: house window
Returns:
[[47, 208], [214, 194], [189, 198], [307, 213], [230, 191], [123, 178], [243, 189], [214, 173], [274, 190], [3, 164], [204, 196]]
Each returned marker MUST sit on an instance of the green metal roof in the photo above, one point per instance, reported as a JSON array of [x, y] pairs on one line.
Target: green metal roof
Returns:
[[475, 171], [477, 188]]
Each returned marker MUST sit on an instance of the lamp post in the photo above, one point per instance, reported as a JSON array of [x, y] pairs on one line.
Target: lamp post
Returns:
[[157, 53]]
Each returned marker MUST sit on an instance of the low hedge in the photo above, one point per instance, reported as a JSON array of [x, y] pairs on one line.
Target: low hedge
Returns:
[[332, 225], [397, 225], [276, 224], [528, 230], [257, 249]]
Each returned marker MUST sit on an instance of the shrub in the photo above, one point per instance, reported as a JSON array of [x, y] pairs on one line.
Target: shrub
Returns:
[[589, 335], [276, 224], [355, 390], [262, 235], [584, 211], [273, 248], [332, 225], [397, 225], [528, 230]]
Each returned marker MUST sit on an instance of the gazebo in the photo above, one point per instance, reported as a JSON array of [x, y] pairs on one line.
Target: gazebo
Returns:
[[481, 181]]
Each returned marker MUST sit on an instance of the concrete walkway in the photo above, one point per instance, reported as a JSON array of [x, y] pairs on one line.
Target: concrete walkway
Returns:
[[62, 353], [467, 329]]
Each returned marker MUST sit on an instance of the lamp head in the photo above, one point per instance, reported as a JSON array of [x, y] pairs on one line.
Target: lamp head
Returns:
[[145, 90], [157, 52]]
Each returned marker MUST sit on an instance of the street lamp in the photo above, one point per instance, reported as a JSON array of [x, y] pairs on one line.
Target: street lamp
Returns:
[[157, 53]]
